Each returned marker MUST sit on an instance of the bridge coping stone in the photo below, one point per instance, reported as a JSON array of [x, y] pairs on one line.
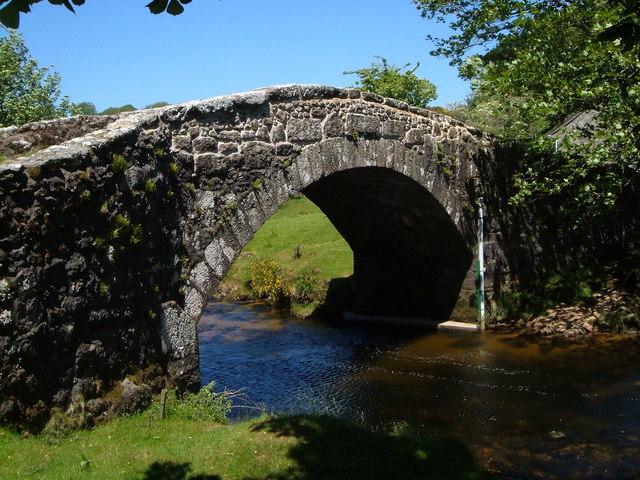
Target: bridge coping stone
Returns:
[[127, 123]]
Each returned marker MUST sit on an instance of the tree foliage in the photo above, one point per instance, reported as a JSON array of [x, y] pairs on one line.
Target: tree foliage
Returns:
[[27, 91], [157, 104], [10, 12], [535, 63], [84, 108], [391, 81], [115, 110]]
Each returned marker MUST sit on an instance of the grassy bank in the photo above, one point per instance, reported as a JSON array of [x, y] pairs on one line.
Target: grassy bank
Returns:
[[308, 252], [144, 447]]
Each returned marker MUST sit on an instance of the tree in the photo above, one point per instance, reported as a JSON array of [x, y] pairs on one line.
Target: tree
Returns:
[[84, 108], [157, 104], [115, 110], [390, 81], [10, 13], [542, 61], [27, 92]]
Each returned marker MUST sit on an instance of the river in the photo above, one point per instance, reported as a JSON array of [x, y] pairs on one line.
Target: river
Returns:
[[528, 406]]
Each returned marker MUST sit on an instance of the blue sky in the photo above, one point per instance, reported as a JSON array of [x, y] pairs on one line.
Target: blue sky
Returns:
[[113, 52]]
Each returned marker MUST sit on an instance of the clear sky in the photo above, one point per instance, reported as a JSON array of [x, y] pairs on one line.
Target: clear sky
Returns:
[[114, 52]]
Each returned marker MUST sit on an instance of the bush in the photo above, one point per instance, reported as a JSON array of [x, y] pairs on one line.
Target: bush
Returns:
[[206, 405], [267, 281], [570, 287], [305, 288]]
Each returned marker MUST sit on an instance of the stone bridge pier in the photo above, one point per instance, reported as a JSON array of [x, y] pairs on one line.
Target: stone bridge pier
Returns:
[[117, 230]]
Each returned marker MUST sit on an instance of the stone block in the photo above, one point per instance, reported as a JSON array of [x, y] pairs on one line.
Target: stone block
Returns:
[[210, 164], [258, 155], [220, 254], [194, 303], [309, 92], [372, 97], [254, 98], [277, 133], [181, 142], [362, 124], [333, 126], [415, 136], [304, 129], [310, 164], [394, 129], [204, 144], [227, 147], [177, 331], [134, 178], [202, 278], [229, 135], [250, 206]]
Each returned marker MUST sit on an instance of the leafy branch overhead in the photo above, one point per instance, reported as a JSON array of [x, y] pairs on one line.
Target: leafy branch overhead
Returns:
[[11, 9], [537, 64]]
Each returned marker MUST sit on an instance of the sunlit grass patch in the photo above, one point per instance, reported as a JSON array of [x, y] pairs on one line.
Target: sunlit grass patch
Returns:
[[143, 446]]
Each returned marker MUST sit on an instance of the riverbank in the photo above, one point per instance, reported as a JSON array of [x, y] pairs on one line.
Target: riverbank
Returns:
[[142, 446], [608, 311]]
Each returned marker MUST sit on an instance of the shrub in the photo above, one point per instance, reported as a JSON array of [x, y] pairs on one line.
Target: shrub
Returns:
[[267, 281], [305, 288], [206, 405], [574, 287]]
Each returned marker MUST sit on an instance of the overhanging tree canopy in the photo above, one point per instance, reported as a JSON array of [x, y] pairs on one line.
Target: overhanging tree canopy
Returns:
[[543, 61], [10, 12]]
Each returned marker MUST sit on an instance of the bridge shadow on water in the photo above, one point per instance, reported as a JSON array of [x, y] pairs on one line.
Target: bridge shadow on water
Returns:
[[328, 448]]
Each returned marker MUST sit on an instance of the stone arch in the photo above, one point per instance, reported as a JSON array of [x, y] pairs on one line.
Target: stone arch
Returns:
[[188, 186]]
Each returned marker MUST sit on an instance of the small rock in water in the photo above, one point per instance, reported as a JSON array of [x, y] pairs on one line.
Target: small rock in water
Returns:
[[556, 434]]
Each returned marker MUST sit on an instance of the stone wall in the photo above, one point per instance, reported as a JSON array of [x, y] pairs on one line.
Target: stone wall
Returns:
[[112, 242]]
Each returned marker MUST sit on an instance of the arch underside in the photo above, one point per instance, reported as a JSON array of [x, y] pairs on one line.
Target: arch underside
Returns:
[[409, 258]]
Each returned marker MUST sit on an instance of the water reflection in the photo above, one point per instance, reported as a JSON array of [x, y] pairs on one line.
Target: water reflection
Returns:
[[538, 408]]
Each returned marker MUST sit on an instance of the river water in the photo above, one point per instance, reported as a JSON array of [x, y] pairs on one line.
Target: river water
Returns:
[[528, 406]]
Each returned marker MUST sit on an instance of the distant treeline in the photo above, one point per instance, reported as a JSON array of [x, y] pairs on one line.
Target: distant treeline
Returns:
[[88, 108]]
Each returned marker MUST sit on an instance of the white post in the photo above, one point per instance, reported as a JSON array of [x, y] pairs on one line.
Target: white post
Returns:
[[480, 267]]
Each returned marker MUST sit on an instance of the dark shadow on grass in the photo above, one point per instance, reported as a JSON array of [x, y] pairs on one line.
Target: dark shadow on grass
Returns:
[[333, 449], [173, 471]]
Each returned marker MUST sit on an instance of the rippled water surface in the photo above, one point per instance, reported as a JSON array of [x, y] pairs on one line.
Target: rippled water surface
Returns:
[[528, 406]]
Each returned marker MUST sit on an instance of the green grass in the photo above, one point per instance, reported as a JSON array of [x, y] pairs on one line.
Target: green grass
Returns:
[[294, 447], [299, 237]]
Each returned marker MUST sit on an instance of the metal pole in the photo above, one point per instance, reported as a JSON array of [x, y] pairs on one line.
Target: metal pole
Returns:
[[480, 267]]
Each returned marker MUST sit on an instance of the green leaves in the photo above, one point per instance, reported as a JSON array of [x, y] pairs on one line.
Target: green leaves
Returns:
[[400, 83], [541, 63], [173, 7], [10, 13], [27, 92]]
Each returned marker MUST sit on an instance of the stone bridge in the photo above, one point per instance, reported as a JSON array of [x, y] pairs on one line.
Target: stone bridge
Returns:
[[117, 230]]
